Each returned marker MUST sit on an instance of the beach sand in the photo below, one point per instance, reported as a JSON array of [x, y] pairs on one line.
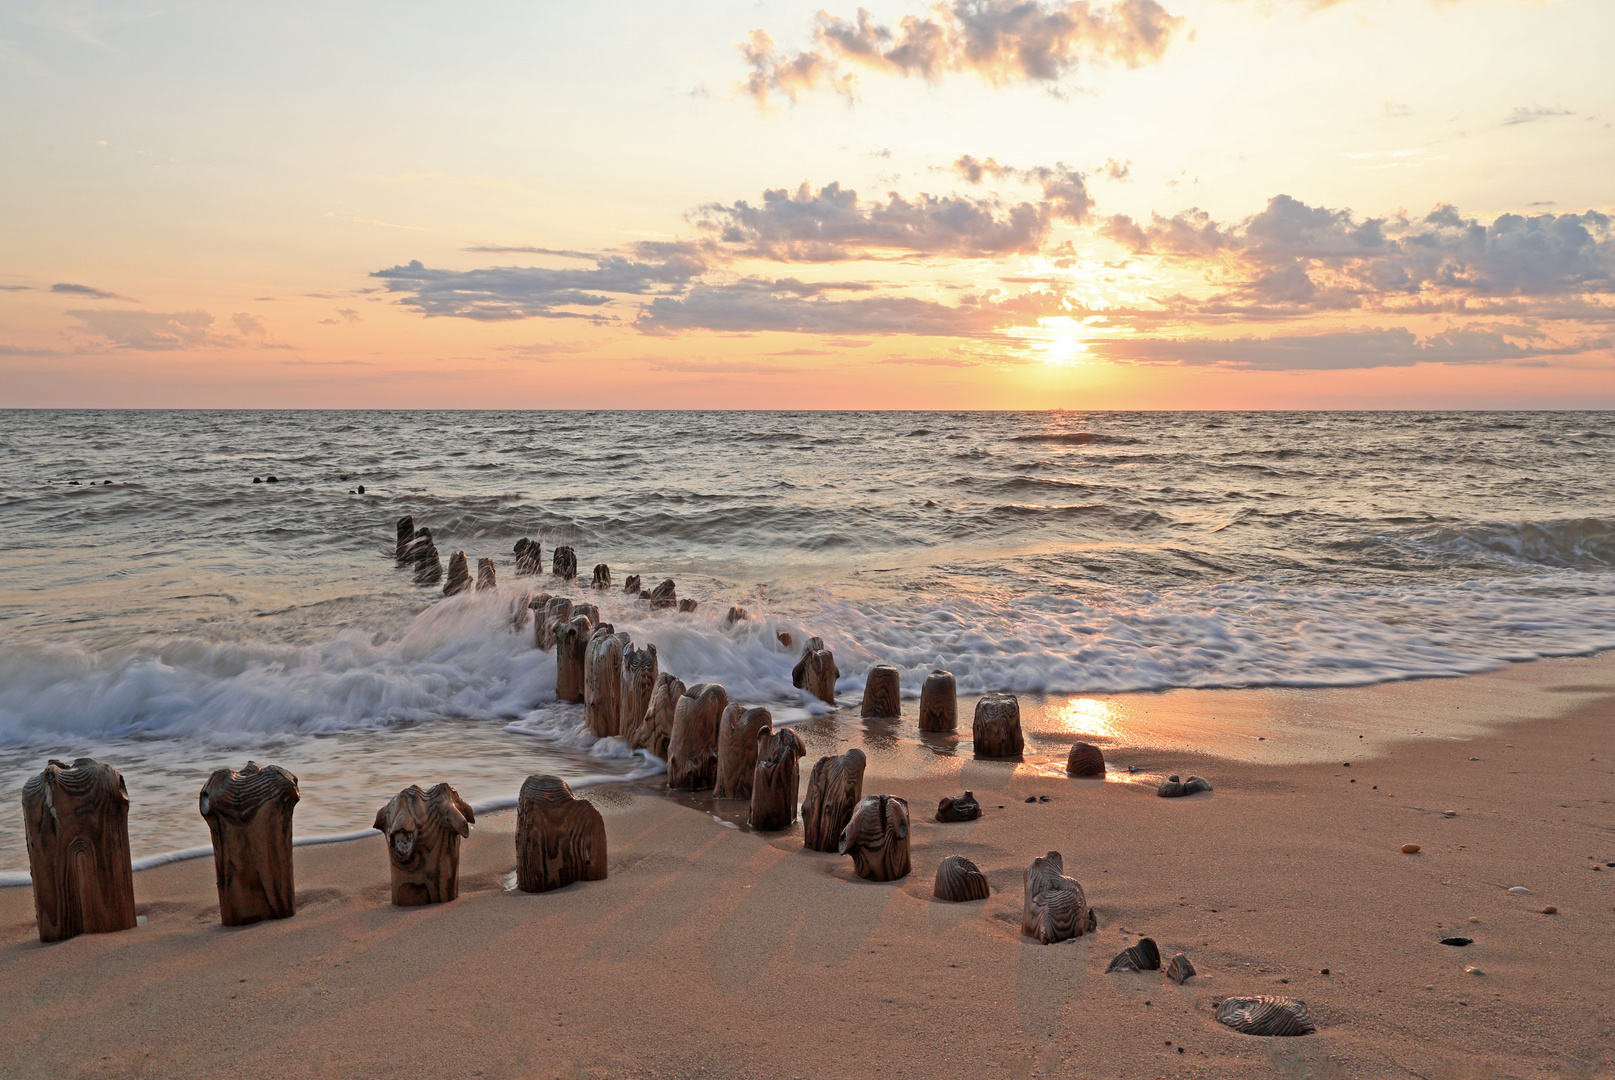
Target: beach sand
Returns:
[[713, 952]]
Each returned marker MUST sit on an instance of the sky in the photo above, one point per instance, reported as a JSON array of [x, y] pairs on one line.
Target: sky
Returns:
[[1002, 204]]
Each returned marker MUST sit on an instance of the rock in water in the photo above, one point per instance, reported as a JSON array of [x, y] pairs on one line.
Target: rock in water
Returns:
[[76, 819], [1144, 956], [571, 651], [249, 815], [665, 595], [881, 700], [485, 575], [939, 702], [529, 557], [1085, 759], [816, 673], [639, 672], [774, 779], [602, 680], [958, 880], [423, 831], [963, 808], [631, 586], [559, 837], [406, 533], [738, 730], [997, 728], [834, 789], [692, 749], [1054, 908], [877, 838], [1178, 969], [602, 576], [655, 731], [565, 563], [459, 575], [1266, 1015]]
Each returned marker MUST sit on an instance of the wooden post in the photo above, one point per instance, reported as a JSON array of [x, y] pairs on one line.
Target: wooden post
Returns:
[[249, 815], [406, 533], [559, 837], [1085, 759], [529, 556], [882, 700], [485, 575], [774, 782], [655, 731], [1054, 908], [877, 838], [602, 576], [834, 788], [459, 575], [939, 702], [525, 607], [665, 595], [423, 831], [634, 692], [738, 729], [602, 680], [588, 611], [571, 648], [816, 672], [959, 880], [631, 586], [692, 750], [565, 565], [997, 727], [556, 613], [428, 566], [76, 820], [688, 606], [961, 808], [736, 614]]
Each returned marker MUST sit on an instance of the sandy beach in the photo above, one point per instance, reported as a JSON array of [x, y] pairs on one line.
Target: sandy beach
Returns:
[[714, 952]]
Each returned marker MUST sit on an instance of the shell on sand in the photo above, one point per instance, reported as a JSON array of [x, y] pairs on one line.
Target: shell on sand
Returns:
[[1264, 1015], [1175, 788], [1145, 956], [959, 880]]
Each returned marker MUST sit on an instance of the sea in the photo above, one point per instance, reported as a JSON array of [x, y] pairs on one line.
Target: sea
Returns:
[[167, 608]]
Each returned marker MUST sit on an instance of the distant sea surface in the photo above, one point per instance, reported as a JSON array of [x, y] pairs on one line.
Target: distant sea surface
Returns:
[[161, 611]]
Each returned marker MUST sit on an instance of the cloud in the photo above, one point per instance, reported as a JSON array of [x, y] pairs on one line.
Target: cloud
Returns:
[[21, 350], [1522, 115], [1000, 41], [1339, 350], [86, 291], [15, 288], [171, 330], [346, 315]]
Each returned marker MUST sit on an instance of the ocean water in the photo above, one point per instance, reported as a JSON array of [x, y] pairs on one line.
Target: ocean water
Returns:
[[162, 612]]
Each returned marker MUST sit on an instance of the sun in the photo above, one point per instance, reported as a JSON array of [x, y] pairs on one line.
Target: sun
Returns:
[[1062, 341]]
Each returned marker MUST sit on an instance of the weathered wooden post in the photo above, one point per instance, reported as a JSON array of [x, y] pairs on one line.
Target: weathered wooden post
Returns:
[[665, 595], [529, 556], [877, 838], [560, 838], [249, 816], [834, 789], [631, 586], [639, 673], [939, 702], [816, 672], [571, 648], [565, 563], [602, 576], [76, 820], [428, 566], [996, 730], [423, 830], [774, 783], [557, 612], [692, 751], [738, 729], [406, 533], [459, 575], [602, 680], [1054, 908], [688, 606], [485, 575], [959, 880], [882, 700], [1085, 759], [736, 615], [655, 731]]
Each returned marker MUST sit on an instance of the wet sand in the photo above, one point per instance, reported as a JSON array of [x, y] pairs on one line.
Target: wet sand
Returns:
[[714, 952]]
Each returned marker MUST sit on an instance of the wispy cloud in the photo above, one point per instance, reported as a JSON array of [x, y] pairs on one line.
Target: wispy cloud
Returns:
[[1522, 115], [87, 292], [164, 331], [1371, 347]]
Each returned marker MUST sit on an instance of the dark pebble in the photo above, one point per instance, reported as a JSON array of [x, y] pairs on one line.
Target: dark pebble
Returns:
[[1457, 941], [1031, 798], [271, 479], [1042, 798], [74, 483]]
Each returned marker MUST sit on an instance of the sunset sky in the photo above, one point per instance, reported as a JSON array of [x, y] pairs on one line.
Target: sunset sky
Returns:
[[976, 204]]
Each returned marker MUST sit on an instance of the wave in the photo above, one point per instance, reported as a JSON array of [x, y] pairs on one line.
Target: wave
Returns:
[[1076, 438], [1565, 543]]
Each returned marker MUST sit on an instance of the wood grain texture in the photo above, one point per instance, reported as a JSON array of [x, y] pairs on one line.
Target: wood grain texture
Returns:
[[692, 748], [556, 613], [665, 595], [631, 585], [1144, 956], [564, 563], [834, 789], [1055, 907], [639, 671], [655, 731], [1264, 1015], [423, 554], [602, 576], [559, 837], [1085, 759], [529, 557], [816, 672], [76, 819], [602, 681], [775, 779], [423, 831], [459, 579], [956, 808], [249, 816], [996, 731], [959, 880], [877, 838], [882, 695], [1179, 969], [738, 730], [939, 702], [486, 578], [406, 533], [571, 648]]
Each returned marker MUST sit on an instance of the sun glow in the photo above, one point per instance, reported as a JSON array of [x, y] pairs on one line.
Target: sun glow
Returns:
[[1063, 342]]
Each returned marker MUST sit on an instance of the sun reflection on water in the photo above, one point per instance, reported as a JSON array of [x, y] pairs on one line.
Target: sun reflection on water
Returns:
[[1090, 716]]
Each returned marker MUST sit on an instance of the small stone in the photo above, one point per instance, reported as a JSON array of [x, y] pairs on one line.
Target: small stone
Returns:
[[1473, 919], [1459, 941], [1323, 971], [1520, 890], [1043, 798], [1550, 910], [1472, 970], [1179, 969], [1410, 849], [1449, 813], [1031, 798]]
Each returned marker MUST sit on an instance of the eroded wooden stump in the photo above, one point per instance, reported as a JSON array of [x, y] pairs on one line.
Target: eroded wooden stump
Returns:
[[602, 576], [249, 815], [560, 838], [527, 607], [688, 606], [665, 595], [565, 563], [655, 731], [996, 731], [877, 838], [529, 557], [692, 750], [1179, 969], [1264, 1015], [1085, 759], [588, 611], [963, 808], [406, 533], [631, 585], [602, 681], [816, 673], [959, 880], [571, 650], [735, 615], [939, 702], [834, 789], [557, 613], [738, 730], [1145, 956], [76, 819], [1054, 908], [485, 575], [639, 671], [459, 579], [882, 698], [423, 831], [774, 781], [1175, 788], [423, 552]]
